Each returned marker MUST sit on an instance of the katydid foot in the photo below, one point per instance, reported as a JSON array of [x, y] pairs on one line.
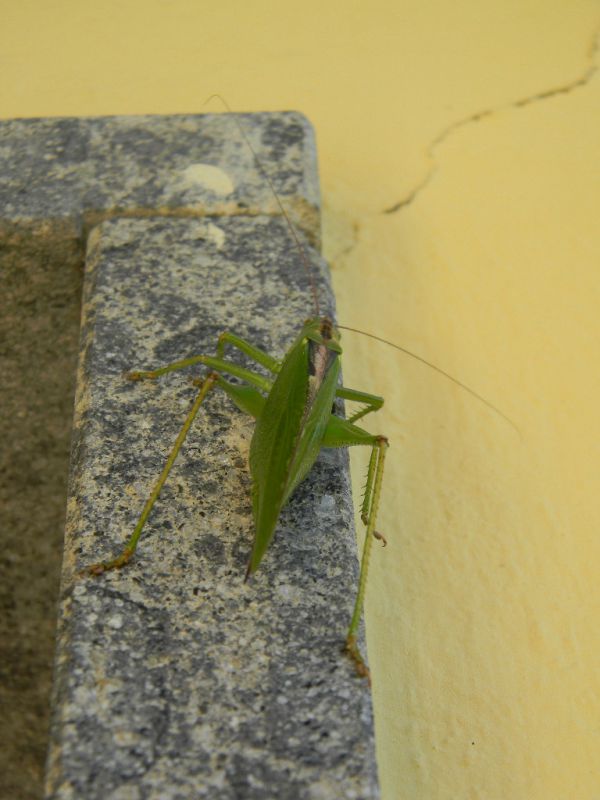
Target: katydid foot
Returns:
[[141, 375], [116, 563], [351, 648]]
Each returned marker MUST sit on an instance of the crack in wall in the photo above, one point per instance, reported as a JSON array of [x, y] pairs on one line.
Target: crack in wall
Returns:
[[555, 91], [349, 243]]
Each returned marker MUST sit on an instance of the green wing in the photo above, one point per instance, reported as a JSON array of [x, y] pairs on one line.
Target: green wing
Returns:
[[288, 436]]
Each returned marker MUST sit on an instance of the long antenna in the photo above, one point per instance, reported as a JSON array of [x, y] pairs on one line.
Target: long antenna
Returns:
[[462, 385], [264, 174], [313, 288]]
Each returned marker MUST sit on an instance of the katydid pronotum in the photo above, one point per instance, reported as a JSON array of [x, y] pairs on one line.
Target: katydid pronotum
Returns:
[[294, 420]]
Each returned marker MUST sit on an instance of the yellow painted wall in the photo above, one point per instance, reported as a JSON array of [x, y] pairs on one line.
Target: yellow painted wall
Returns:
[[481, 122]]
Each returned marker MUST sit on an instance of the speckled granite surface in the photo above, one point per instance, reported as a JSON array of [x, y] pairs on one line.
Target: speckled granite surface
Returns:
[[58, 177], [80, 170], [174, 678]]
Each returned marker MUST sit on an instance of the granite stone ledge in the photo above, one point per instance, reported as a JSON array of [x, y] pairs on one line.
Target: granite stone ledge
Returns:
[[66, 174], [173, 678]]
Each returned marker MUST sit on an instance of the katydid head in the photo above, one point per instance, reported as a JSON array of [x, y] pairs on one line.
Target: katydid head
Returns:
[[321, 330]]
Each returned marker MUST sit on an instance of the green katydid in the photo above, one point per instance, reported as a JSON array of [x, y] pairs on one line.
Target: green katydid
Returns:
[[294, 420]]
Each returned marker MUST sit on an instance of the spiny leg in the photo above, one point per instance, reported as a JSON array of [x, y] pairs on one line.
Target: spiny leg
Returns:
[[129, 549], [370, 402], [370, 508], [343, 433], [367, 495]]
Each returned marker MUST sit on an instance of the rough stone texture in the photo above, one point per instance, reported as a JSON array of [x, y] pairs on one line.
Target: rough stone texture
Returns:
[[39, 332], [57, 178], [175, 679], [83, 170]]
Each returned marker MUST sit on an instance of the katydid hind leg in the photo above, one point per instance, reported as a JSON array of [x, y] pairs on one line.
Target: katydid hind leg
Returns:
[[129, 549], [245, 396], [369, 516], [343, 433]]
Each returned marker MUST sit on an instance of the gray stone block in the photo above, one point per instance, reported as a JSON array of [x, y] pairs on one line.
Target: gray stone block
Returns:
[[88, 169], [174, 679]]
